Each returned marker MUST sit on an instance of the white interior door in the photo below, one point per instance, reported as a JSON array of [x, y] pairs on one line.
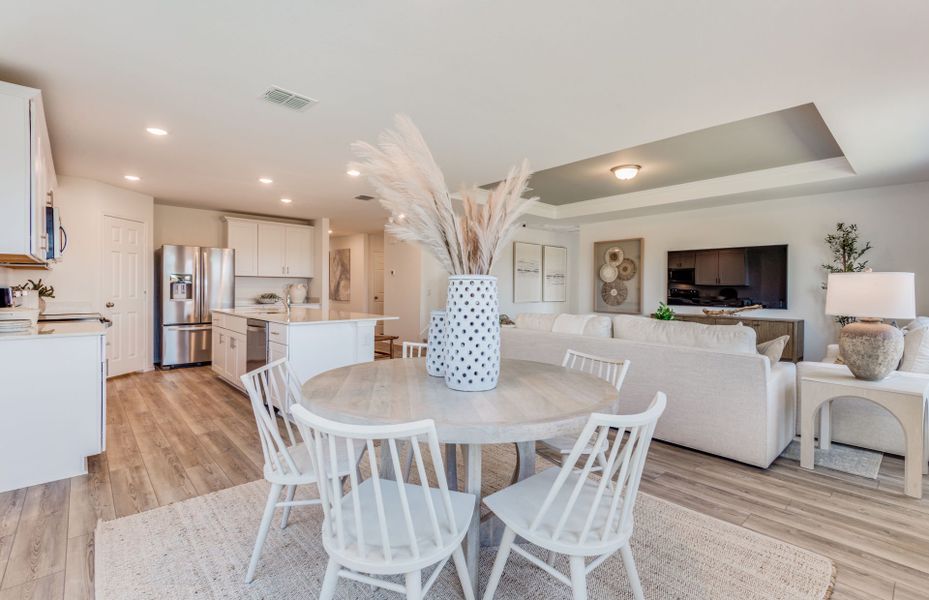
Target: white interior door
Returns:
[[123, 294], [377, 298]]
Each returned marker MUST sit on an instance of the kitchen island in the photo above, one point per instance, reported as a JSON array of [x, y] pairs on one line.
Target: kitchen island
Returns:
[[312, 340], [54, 391]]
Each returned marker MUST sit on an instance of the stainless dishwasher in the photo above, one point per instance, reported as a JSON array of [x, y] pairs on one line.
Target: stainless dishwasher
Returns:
[[256, 345]]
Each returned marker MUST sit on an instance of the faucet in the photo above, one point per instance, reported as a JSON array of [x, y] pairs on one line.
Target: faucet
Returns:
[[286, 301]]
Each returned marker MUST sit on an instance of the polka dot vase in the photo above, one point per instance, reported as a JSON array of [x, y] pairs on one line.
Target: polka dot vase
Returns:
[[472, 333], [435, 349]]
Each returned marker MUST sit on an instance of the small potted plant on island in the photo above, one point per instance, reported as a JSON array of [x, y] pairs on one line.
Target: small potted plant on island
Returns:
[[411, 186]]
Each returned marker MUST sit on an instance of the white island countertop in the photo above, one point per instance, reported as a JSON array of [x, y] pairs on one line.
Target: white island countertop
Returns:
[[303, 316], [57, 329]]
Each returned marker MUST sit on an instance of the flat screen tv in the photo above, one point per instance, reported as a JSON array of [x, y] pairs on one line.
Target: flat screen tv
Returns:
[[729, 277]]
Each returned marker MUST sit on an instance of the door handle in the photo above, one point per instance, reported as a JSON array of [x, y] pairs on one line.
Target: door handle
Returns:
[[110, 305]]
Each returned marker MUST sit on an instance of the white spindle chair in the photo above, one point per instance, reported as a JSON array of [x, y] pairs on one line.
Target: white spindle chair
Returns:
[[613, 371], [568, 511], [414, 349], [382, 526], [274, 388]]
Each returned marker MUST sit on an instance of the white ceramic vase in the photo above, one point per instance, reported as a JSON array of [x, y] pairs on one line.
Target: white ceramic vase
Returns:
[[472, 333], [435, 349]]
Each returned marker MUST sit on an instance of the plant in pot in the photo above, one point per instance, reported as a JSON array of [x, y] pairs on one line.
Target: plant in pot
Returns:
[[664, 312], [42, 289], [410, 185], [847, 253]]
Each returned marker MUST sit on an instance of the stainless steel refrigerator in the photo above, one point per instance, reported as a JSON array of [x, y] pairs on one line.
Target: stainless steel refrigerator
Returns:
[[190, 282]]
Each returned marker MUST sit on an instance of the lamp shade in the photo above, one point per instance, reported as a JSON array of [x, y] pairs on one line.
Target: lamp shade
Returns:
[[868, 294]]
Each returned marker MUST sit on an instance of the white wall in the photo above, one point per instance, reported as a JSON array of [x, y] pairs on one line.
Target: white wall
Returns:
[[893, 218], [357, 245], [503, 269], [78, 277]]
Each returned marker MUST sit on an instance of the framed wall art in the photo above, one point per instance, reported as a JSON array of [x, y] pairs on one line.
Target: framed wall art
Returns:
[[527, 272], [618, 276], [554, 273]]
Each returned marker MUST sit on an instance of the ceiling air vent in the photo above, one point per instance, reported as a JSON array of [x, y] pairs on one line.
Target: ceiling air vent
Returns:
[[364, 197], [287, 99]]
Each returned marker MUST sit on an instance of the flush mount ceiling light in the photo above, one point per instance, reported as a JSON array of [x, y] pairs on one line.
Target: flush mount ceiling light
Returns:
[[265, 180], [131, 177], [353, 172], [156, 131], [286, 200], [625, 172]]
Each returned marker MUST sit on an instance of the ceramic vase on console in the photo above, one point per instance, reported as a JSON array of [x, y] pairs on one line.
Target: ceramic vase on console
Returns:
[[472, 333], [435, 348]]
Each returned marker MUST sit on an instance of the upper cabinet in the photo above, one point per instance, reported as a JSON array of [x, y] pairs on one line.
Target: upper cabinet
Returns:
[[27, 176], [721, 267], [681, 260], [269, 249], [242, 236]]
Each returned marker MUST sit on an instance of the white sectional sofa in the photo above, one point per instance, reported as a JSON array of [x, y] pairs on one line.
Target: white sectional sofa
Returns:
[[723, 397]]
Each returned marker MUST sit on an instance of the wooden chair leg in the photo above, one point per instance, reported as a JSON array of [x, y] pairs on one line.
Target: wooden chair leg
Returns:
[[461, 565], [632, 572], [502, 554], [578, 577], [273, 495], [414, 585], [291, 490], [327, 591]]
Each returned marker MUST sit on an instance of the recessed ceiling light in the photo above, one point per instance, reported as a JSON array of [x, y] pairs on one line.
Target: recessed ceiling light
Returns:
[[330, 232], [401, 216], [353, 172], [265, 180], [286, 200], [156, 131], [132, 177], [625, 172]]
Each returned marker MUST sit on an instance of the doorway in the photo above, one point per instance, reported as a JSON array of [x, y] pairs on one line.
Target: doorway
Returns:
[[124, 294], [377, 287]]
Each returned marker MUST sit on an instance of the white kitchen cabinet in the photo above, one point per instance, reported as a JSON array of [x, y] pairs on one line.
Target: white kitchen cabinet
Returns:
[[298, 255], [218, 350], [54, 385], [272, 249], [242, 236], [27, 176], [276, 351], [229, 351]]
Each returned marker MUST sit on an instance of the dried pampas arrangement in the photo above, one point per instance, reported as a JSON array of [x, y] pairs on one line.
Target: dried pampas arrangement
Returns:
[[411, 186]]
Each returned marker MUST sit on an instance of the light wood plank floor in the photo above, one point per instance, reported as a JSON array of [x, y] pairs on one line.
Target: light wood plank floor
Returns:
[[177, 434]]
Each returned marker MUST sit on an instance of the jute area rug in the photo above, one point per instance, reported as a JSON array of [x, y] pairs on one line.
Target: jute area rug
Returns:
[[199, 549]]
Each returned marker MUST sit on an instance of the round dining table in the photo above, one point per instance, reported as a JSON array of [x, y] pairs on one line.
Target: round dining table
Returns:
[[532, 401]]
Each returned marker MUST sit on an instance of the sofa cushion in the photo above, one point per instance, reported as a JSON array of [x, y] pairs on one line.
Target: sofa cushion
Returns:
[[535, 321], [565, 323], [773, 349], [599, 326], [916, 346], [725, 338]]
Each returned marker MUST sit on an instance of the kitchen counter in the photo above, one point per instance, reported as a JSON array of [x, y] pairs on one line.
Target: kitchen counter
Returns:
[[304, 316], [58, 329]]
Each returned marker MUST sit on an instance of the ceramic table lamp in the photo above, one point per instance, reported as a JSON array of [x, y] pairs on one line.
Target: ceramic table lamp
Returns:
[[870, 348]]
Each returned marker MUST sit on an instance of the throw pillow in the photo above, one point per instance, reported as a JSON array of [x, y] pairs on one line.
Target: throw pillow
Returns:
[[565, 323], [774, 349], [536, 321], [916, 346]]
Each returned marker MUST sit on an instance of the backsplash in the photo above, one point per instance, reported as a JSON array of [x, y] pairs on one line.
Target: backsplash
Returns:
[[248, 288]]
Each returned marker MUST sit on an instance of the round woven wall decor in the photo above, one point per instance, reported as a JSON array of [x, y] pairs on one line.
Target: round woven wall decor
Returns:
[[614, 293], [627, 269], [613, 256], [608, 273]]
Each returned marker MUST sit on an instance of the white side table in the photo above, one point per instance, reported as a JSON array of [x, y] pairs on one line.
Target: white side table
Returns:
[[903, 396]]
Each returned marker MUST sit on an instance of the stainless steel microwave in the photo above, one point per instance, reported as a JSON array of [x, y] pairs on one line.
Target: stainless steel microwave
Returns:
[[681, 276]]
